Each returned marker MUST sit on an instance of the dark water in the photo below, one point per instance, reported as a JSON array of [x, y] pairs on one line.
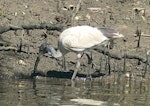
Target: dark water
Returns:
[[62, 92]]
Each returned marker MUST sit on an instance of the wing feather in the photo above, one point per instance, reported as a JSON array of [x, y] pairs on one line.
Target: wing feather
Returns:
[[81, 37]]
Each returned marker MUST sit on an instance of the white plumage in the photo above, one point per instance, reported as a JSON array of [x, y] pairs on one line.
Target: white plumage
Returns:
[[78, 39]]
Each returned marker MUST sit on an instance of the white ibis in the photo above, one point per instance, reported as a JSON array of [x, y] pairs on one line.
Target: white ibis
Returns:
[[78, 39]]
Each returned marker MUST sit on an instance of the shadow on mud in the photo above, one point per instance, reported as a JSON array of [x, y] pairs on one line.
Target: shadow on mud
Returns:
[[66, 75]]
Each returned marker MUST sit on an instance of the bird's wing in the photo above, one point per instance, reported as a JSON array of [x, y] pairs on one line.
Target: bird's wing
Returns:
[[82, 39], [110, 33]]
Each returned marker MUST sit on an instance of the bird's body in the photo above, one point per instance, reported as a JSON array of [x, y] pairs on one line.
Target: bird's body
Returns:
[[77, 39], [80, 38]]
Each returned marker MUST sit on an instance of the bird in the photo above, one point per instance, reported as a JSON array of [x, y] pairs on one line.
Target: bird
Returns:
[[77, 39]]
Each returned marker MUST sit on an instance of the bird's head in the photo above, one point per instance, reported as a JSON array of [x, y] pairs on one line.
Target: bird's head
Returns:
[[48, 48]]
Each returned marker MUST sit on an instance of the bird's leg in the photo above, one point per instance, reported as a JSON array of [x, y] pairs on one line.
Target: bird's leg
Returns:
[[64, 63], [89, 56], [90, 62], [107, 65], [90, 59], [77, 67], [110, 44], [76, 70]]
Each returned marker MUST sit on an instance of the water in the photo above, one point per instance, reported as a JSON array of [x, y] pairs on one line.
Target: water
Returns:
[[62, 92]]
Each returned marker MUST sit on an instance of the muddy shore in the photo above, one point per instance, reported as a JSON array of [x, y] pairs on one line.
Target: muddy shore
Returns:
[[126, 16]]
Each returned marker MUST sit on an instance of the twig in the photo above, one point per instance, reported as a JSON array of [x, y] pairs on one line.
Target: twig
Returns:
[[75, 11], [121, 56], [4, 29], [8, 48], [138, 32], [145, 35], [146, 65], [20, 43]]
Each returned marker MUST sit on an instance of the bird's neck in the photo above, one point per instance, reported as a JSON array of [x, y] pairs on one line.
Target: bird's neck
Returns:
[[56, 53]]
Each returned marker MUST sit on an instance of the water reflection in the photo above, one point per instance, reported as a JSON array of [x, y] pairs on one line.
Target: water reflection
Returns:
[[105, 91]]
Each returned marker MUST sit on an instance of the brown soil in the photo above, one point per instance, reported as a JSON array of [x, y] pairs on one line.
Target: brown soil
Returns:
[[123, 15]]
